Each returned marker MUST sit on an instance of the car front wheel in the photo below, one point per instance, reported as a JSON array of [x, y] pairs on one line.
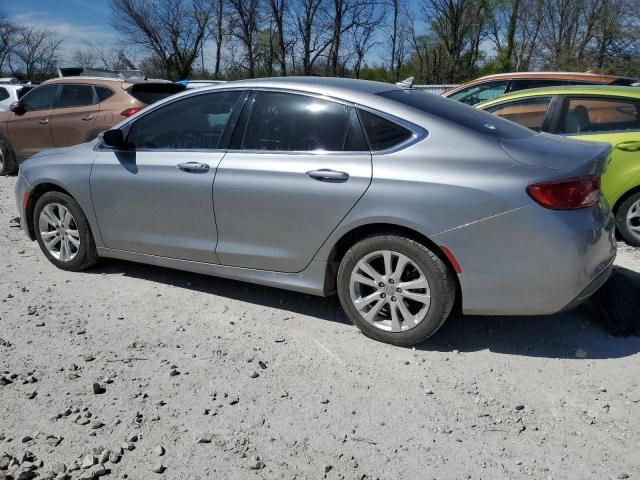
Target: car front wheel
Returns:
[[7, 160], [628, 220], [63, 232], [395, 289]]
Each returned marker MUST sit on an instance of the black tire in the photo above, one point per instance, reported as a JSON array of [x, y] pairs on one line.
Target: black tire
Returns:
[[621, 220], [86, 255], [441, 284], [8, 163]]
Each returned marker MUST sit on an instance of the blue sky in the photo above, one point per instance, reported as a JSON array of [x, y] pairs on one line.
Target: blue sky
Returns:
[[75, 20]]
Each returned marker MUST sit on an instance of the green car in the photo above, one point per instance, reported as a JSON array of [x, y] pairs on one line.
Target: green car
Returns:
[[596, 113]]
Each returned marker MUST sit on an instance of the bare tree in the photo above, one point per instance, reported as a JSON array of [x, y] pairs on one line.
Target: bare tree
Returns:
[[278, 11], [216, 29], [8, 40], [312, 30], [172, 29], [37, 49], [244, 26]]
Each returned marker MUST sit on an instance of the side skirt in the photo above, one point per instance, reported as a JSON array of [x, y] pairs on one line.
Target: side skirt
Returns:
[[310, 280]]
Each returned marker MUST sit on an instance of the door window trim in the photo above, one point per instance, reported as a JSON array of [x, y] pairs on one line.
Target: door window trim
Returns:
[[55, 100], [563, 104]]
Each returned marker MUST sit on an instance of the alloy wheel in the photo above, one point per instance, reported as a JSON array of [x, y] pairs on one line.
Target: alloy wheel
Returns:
[[390, 291], [633, 219], [59, 232]]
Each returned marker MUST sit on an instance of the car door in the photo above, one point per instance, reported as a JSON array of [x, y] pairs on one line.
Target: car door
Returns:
[[74, 114], [614, 120], [30, 130], [297, 165], [156, 197]]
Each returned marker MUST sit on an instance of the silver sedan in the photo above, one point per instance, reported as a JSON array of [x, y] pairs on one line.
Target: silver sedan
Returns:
[[403, 202]]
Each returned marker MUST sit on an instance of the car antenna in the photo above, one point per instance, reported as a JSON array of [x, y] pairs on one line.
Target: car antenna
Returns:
[[406, 83]]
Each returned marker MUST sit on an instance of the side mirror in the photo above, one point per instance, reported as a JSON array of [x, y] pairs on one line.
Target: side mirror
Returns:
[[17, 107], [113, 138]]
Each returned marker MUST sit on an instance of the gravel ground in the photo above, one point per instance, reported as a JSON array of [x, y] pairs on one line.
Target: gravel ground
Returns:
[[231, 380]]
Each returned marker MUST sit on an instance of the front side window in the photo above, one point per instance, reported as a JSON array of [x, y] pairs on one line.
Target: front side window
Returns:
[[40, 98], [529, 112], [195, 122], [480, 93], [289, 122], [382, 133], [75, 96], [596, 115]]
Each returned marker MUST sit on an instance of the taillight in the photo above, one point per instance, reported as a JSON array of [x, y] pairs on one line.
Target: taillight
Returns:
[[568, 194], [130, 111]]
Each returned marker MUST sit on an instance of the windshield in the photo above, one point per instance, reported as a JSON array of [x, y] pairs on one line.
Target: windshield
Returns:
[[478, 120]]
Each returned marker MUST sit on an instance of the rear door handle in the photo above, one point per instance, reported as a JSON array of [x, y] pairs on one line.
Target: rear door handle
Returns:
[[87, 118], [44, 121], [194, 167], [631, 146], [327, 175]]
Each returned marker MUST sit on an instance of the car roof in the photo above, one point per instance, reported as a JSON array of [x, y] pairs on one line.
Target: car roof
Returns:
[[631, 92], [83, 79], [345, 88], [570, 75]]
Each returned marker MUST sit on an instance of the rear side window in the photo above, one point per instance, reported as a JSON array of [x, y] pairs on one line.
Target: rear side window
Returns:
[[456, 112], [103, 92], [290, 122], [596, 115], [195, 122], [75, 96], [529, 112], [4, 94], [382, 133]]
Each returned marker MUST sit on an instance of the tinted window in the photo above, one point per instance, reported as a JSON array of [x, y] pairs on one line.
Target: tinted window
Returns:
[[480, 93], [4, 94], [592, 115], [195, 122], [150, 92], [40, 98], [529, 112], [75, 96], [288, 122], [524, 84], [459, 113], [382, 133], [103, 93]]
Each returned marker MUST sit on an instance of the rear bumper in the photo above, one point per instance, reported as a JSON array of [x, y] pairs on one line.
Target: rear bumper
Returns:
[[590, 289], [532, 261]]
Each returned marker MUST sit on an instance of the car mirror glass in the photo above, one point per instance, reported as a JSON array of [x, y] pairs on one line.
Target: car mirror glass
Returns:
[[113, 138], [17, 107]]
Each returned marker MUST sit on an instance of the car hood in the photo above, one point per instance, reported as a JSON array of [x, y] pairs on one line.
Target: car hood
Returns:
[[56, 151]]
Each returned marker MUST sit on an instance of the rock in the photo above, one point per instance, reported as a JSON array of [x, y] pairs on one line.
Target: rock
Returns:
[[429, 391], [96, 425], [40, 324], [58, 468], [255, 463], [158, 450], [128, 446], [32, 395], [580, 353], [88, 358], [327, 468], [280, 339], [72, 376], [24, 474], [104, 456], [602, 389], [132, 438], [83, 421], [158, 468], [5, 459], [98, 389], [26, 439], [519, 407], [173, 372], [114, 457], [88, 461], [622, 476], [324, 401], [254, 375], [203, 439], [234, 401]]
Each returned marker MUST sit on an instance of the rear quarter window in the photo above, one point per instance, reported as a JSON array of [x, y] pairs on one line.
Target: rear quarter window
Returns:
[[382, 133], [457, 112]]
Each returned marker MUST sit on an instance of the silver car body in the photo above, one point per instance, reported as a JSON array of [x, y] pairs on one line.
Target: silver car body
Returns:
[[257, 216]]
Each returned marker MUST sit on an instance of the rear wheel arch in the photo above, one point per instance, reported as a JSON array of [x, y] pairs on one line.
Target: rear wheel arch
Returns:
[[623, 197], [353, 236]]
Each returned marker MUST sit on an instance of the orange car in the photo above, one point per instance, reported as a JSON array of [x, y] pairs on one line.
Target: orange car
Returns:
[[70, 110], [492, 86]]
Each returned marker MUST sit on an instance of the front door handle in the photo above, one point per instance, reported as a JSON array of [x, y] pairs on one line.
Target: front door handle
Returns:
[[194, 167], [44, 121], [631, 146], [327, 175], [86, 118]]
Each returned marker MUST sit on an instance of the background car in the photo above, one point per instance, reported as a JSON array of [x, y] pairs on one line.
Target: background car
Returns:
[[325, 184], [11, 92], [492, 86], [70, 110], [598, 114]]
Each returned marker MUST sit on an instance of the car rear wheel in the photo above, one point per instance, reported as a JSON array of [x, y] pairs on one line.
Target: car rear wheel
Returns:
[[395, 289], [7, 160], [63, 232], [628, 220]]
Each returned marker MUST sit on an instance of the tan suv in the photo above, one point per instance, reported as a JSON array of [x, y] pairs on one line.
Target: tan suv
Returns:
[[70, 110]]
